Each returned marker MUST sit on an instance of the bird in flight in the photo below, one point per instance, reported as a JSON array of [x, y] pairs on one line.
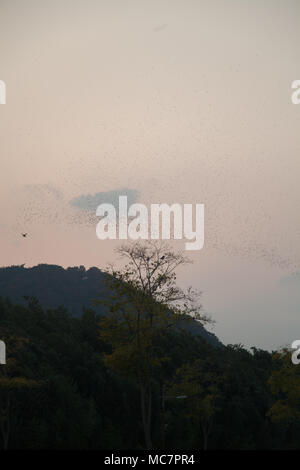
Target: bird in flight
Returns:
[[24, 235]]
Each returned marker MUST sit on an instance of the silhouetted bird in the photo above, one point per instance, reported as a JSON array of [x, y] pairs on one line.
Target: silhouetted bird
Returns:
[[24, 235]]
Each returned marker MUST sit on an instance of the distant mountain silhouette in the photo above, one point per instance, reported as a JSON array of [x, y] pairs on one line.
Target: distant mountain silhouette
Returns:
[[74, 288]]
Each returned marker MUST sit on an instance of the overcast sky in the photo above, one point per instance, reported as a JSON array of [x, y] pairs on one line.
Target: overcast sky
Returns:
[[173, 101]]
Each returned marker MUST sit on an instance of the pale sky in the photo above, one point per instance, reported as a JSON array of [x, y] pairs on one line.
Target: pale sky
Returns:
[[184, 101]]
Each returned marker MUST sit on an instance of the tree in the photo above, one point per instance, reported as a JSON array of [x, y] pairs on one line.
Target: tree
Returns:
[[144, 303], [199, 388], [284, 384], [12, 382]]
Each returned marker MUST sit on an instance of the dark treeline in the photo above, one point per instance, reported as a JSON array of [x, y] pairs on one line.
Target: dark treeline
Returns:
[[56, 392]]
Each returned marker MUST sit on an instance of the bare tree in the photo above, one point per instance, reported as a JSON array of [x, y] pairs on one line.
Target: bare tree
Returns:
[[145, 301]]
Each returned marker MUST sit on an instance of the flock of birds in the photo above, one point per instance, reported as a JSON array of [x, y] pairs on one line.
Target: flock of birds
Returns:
[[43, 201]]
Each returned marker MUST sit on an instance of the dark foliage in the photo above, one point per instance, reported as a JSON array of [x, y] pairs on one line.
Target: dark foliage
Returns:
[[56, 392]]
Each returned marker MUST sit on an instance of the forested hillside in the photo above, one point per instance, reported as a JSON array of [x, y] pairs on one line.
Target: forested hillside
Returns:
[[75, 288], [130, 370]]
